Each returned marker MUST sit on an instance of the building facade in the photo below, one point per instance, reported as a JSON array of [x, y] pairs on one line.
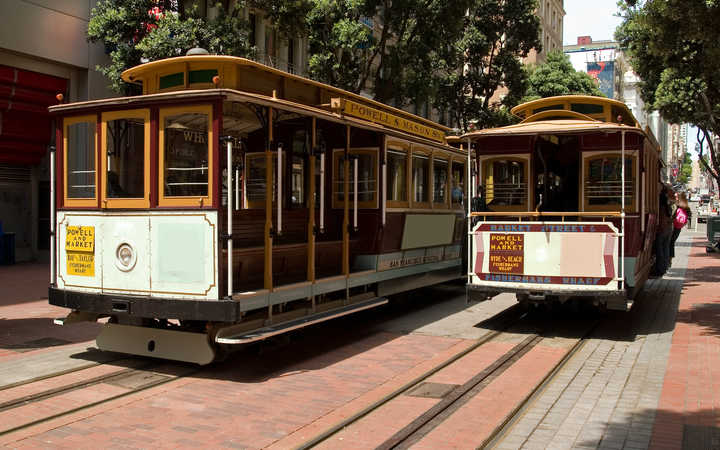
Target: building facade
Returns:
[[43, 52], [552, 15]]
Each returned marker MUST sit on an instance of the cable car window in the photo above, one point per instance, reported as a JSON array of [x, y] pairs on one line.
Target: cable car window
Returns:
[[80, 164], [125, 149], [603, 181], [458, 183], [172, 80], [397, 176], [255, 180], [367, 178], [440, 180], [587, 108], [421, 178], [126, 159], [185, 161], [505, 183]]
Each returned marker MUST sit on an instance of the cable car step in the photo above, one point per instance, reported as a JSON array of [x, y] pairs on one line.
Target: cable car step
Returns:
[[266, 332]]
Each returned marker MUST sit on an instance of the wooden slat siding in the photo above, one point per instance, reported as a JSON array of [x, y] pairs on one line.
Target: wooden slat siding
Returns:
[[248, 227]]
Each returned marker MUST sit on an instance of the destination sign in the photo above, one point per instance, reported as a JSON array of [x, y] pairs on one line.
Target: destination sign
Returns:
[[507, 253], [80, 250], [80, 239], [384, 118]]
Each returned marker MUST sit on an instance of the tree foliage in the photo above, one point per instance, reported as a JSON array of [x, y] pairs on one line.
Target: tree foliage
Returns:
[[674, 49], [685, 170], [485, 57], [557, 76], [137, 30], [452, 55]]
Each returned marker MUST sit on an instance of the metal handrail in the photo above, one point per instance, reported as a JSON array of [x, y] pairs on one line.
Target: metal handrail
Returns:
[[546, 213]]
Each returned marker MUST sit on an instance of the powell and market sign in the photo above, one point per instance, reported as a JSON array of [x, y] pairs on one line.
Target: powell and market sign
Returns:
[[383, 118]]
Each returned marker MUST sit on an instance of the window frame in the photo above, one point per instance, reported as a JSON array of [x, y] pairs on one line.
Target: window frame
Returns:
[[427, 153], [523, 158], [447, 158], [587, 157], [192, 201], [70, 201], [111, 203], [462, 162], [374, 153], [399, 147]]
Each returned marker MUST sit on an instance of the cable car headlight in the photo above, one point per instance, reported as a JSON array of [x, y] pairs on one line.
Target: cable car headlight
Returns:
[[126, 257]]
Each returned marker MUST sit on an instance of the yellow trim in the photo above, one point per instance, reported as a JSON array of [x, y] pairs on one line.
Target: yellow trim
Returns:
[[72, 121], [400, 146], [336, 202], [426, 152], [126, 202], [630, 176], [164, 200]]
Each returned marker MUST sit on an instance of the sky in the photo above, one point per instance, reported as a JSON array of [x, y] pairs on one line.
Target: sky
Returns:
[[595, 18]]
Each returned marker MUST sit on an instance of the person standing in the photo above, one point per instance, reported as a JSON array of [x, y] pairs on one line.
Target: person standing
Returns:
[[680, 218], [664, 233]]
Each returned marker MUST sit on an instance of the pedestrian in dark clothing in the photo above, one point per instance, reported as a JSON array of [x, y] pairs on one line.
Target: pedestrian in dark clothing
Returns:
[[664, 233], [680, 218]]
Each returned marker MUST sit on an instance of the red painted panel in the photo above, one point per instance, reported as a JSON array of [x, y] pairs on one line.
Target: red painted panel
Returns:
[[25, 124]]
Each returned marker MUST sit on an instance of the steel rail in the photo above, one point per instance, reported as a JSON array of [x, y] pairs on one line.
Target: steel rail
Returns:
[[506, 323]]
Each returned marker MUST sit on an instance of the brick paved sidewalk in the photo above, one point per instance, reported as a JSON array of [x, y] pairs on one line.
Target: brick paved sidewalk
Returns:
[[607, 395], [688, 415]]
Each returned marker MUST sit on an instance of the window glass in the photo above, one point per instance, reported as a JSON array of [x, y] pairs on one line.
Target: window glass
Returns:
[[367, 184], [298, 181], [125, 142], [80, 160], [255, 165], [587, 108], [397, 176], [505, 183], [603, 181], [421, 178], [458, 182], [440, 179], [186, 155]]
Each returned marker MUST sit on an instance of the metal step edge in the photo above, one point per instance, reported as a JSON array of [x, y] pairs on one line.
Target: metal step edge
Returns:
[[266, 332]]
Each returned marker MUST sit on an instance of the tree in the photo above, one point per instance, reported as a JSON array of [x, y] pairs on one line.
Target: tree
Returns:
[[137, 30], [557, 76], [685, 170], [673, 47], [495, 35]]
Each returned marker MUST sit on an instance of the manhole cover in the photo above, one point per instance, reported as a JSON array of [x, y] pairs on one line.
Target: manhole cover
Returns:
[[138, 380], [431, 390], [36, 344]]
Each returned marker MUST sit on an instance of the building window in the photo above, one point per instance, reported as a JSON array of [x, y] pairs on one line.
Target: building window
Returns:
[[80, 166]]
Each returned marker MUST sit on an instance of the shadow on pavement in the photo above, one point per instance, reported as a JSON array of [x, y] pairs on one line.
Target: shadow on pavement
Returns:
[[688, 431]]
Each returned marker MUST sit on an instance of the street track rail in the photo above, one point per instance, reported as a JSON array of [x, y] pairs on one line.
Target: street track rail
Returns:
[[184, 371], [502, 321], [430, 419]]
